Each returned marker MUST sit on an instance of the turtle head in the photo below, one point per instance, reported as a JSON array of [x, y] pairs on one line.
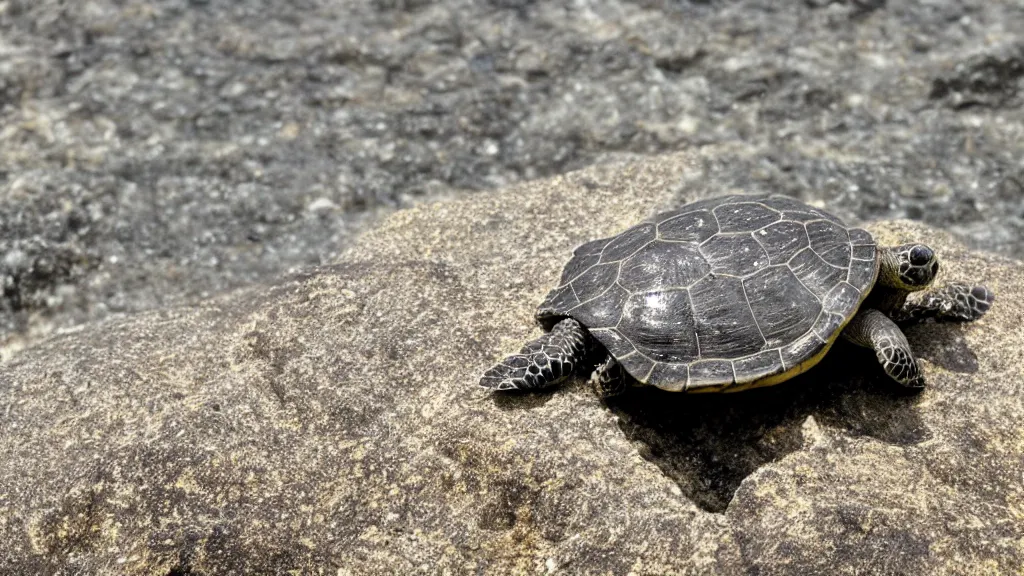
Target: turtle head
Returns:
[[909, 267]]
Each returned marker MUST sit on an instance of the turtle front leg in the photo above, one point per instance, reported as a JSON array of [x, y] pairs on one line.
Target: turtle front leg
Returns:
[[608, 378], [543, 362], [954, 302], [873, 329]]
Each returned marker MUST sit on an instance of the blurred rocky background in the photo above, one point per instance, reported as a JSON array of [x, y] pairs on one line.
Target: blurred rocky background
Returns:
[[153, 152]]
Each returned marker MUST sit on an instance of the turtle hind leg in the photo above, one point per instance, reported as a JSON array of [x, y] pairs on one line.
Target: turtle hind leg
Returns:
[[954, 302], [608, 378], [872, 329], [543, 362]]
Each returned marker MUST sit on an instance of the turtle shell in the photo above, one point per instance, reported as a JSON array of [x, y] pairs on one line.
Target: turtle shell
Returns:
[[725, 293]]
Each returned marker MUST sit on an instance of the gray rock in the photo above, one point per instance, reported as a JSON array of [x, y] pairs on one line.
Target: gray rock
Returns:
[[167, 150], [330, 424]]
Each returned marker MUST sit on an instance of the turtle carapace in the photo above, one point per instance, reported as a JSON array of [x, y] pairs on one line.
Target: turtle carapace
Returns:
[[731, 293]]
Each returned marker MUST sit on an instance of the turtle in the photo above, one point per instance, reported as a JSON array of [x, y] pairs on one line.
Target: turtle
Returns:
[[730, 293]]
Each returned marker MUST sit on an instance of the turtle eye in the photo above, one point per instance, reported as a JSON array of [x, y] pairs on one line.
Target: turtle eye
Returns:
[[920, 255], [935, 269]]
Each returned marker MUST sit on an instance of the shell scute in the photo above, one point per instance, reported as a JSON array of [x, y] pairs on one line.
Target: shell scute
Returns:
[[861, 237], [862, 274], [604, 310], [711, 374], [725, 325], [819, 276], [841, 297], [782, 306], [864, 252], [558, 301], [800, 350], [837, 256], [760, 365], [638, 366], [800, 216], [744, 216], [595, 281], [826, 236], [660, 324], [695, 226], [663, 264], [827, 324], [737, 254], [671, 377], [579, 264], [625, 244], [613, 340], [782, 240]]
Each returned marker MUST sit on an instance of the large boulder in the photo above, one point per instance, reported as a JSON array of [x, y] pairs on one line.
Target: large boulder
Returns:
[[331, 424]]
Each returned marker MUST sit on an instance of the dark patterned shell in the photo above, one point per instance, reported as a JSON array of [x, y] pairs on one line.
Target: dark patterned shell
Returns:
[[732, 290]]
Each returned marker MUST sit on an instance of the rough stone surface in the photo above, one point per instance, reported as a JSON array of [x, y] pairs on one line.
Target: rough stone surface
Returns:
[[154, 151], [330, 424]]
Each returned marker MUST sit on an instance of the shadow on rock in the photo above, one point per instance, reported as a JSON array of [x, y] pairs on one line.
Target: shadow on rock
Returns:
[[708, 443], [943, 345], [516, 400]]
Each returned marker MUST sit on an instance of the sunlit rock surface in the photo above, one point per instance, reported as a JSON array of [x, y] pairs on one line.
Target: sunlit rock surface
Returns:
[[331, 424]]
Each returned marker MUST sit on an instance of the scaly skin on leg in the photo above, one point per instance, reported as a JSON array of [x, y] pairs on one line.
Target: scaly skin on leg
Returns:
[[543, 362], [608, 378], [903, 270], [873, 329], [954, 302]]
